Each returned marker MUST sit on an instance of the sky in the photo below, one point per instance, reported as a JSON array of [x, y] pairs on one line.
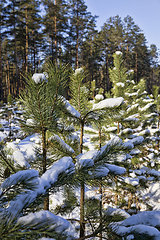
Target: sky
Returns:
[[145, 14]]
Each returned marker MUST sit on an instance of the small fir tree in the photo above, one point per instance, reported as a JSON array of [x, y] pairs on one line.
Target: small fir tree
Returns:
[[41, 101]]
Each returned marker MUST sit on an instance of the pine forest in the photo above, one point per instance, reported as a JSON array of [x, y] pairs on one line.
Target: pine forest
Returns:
[[79, 125]]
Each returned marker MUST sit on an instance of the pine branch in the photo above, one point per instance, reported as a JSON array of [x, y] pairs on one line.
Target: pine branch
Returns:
[[4, 158]]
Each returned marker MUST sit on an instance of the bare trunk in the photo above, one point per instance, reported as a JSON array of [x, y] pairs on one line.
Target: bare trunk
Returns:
[[26, 42], [77, 40], [34, 52], [117, 127], [8, 80], [15, 55], [127, 56], [55, 29], [82, 225], [46, 199], [100, 187], [107, 78], [1, 80], [136, 74], [158, 132], [100, 209]]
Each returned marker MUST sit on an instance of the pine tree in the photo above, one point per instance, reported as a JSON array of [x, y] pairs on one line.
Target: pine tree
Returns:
[[80, 23], [41, 103], [80, 95], [56, 25], [118, 75]]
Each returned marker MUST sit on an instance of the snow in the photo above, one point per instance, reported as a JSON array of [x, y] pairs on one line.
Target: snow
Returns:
[[147, 106], [151, 231], [134, 117], [126, 131], [137, 140], [65, 164], [144, 132], [130, 71], [57, 223], [132, 181], [101, 171], [110, 129], [99, 97], [120, 84], [78, 71], [62, 143], [108, 103], [134, 151], [131, 94], [30, 122], [86, 159], [38, 77], [71, 109], [118, 53], [19, 176], [116, 169], [128, 145], [23, 150], [114, 211], [134, 106]]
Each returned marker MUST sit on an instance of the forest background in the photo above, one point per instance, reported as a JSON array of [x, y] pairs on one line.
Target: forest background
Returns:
[[34, 32]]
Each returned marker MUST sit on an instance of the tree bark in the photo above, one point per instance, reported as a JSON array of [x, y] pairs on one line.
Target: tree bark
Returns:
[[1, 79], [82, 224], [55, 29], [46, 199], [15, 56], [77, 40], [26, 41]]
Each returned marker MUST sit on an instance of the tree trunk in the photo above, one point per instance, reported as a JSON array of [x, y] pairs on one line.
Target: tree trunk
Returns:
[[46, 199], [136, 74], [1, 80], [100, 209], [158, 132], [26, 41], [82, 225], [55, 29], [77, 40], [100, 187], [107, 78], [117, 127], [15, 56]]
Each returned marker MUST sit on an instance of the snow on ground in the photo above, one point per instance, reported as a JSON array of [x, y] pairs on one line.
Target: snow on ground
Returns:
[[145, 222], [23, 152]]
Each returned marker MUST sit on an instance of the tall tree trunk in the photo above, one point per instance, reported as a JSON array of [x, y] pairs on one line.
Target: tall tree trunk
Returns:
[[15, 56], [34, 52], [1, 78], [107, 78], [127, 56], [26, 41], [8, 80], [55, 29], [136, 71], [52, 50], [77, 40]]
